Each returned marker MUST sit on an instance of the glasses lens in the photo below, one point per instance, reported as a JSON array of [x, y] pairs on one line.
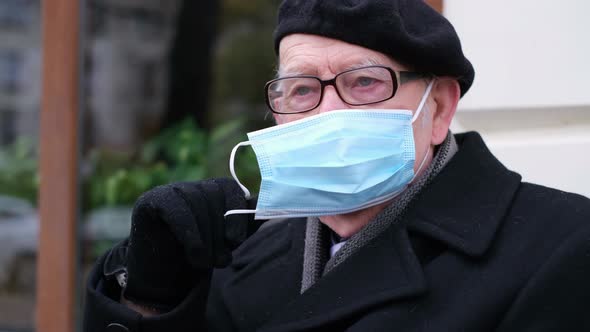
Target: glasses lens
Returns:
[[293, 95], [366, 85]]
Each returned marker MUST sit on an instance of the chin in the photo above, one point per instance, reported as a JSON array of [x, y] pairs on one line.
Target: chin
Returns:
[[346, 225]]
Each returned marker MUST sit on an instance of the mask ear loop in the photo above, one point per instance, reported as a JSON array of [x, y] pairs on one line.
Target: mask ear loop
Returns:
[[421, 164], [418, 111], [423, 100], [232, 157], [247, 194]]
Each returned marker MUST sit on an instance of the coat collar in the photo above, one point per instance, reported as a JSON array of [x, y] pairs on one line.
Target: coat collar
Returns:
[[465, 204], [462, 208]]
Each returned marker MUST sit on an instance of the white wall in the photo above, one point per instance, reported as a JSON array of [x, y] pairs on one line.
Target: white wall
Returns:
[[531, 96]]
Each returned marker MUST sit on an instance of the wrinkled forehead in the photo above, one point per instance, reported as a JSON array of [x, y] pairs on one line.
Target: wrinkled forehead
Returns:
[[306, 54]]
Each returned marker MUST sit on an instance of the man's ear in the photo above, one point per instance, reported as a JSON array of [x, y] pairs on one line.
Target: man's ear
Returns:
[[446, 94]]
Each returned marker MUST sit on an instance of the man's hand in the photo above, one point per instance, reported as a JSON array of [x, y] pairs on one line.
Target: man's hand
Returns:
[[178, 235]]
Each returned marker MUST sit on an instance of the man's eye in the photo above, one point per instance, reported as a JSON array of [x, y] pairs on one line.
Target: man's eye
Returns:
[[365, 81], [302, 90]]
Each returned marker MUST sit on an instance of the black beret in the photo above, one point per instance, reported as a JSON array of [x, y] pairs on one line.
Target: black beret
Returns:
[[409, 31]]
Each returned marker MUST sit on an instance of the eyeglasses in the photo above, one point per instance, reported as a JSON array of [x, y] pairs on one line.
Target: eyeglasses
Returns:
[[356, 87]]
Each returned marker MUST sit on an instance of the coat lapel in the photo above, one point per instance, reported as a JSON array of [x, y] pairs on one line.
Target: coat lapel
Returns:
[[384, 270]]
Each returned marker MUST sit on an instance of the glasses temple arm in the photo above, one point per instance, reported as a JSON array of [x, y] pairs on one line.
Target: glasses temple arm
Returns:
[[408, 76]]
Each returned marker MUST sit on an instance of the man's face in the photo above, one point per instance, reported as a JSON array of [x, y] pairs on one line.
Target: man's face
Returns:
[[301, 54]]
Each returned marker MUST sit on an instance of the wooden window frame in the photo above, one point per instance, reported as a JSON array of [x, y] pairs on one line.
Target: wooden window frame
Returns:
[[58, 194], [436, 4]]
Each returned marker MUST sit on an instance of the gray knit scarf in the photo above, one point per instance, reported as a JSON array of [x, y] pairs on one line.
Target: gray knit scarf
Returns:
[[316, 260]]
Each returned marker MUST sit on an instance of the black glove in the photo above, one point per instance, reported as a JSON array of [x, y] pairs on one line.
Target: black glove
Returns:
[[178, 235]]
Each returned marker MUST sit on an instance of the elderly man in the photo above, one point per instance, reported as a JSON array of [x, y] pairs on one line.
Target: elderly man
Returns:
[[378, 218]]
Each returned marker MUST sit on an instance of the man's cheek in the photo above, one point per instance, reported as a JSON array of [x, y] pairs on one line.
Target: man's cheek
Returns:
[[285, 118]]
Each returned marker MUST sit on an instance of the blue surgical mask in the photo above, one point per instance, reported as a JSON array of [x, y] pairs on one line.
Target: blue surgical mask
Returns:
[[333, 163]]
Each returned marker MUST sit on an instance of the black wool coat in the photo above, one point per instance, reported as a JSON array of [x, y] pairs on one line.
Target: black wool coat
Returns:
[[478, 251]]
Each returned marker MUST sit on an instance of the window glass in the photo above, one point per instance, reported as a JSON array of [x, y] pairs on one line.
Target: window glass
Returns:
[[170, 88]]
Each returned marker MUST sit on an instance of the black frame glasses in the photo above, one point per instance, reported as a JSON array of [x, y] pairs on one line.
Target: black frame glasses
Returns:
[[397, 78]]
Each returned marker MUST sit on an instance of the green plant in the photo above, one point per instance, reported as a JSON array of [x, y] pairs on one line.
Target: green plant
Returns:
[[183, 152], [19, 175]]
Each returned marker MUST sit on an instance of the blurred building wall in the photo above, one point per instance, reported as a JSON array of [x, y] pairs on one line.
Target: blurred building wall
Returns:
[[19, 68], [530, 96]]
